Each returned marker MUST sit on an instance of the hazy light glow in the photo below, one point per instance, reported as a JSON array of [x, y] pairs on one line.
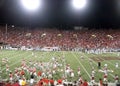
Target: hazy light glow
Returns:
[[78, 4], [31, 4]]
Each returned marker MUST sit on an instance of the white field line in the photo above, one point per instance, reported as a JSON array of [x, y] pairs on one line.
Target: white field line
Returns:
[[63, 54], [3, 53], [52, 56], [10, 55], [20, 60], [14, 56], [109, 63], [41, 56], [95, 63], [81, 64], [38, 57], [14, 62]]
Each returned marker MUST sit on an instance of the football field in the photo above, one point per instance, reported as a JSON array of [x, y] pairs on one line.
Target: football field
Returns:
[[75, 60]]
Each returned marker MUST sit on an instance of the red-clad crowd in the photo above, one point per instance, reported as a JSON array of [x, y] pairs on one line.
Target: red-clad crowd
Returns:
[[47, 37], [45, 82]]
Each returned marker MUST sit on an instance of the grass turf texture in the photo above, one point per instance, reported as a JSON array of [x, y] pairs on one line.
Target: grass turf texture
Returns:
[[73, 58]]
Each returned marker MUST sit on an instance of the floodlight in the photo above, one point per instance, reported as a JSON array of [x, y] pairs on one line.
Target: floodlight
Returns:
[[79, 4], [31, 4], [13, 26]]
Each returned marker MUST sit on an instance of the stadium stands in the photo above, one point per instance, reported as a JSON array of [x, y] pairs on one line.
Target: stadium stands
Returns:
[[65, 39]]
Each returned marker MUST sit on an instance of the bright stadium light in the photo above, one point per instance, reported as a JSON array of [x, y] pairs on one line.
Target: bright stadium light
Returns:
[[31, 4], [78, 4]]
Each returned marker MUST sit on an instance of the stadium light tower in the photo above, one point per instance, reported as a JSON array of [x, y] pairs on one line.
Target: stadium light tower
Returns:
[[79, 4], [31, 5]]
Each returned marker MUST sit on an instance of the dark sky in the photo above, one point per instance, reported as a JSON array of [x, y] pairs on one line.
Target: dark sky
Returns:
[[97, 13]]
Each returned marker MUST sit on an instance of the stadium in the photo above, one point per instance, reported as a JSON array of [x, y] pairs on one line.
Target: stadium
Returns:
[[59, 43]]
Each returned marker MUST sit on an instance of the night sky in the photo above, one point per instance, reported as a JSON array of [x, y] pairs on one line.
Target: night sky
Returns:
[[60, 13]]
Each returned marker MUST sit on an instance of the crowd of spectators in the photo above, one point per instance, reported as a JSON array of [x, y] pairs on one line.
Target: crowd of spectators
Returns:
[[65, 39]]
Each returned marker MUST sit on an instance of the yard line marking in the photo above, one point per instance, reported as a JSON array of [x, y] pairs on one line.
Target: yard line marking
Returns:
[[15, 56], [3, 53], [64, 63], [9, 55], [81, 65], [21, 55], [95, 63], [109, 62], [16, 61], [52, 56], [112, 75], [114, 54], [38, 56], [19, 60]]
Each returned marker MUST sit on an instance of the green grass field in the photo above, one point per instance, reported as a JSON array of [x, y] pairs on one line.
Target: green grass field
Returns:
[[72, 58]]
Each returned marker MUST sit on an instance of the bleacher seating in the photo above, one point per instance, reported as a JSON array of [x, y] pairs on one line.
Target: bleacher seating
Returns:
[[65, 39]]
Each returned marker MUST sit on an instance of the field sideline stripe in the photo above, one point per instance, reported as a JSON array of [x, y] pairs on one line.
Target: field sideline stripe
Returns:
[[81, 64]]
